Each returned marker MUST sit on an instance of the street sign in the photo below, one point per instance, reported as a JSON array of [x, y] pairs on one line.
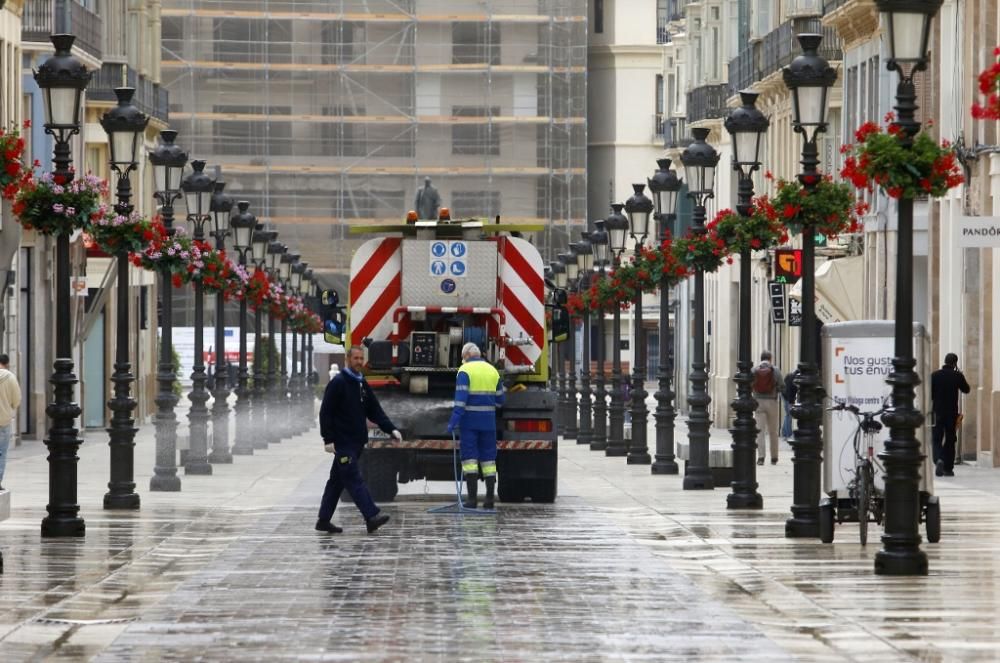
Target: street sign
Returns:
[[794, 313], [978, 232], [787, 265], [777, 292]]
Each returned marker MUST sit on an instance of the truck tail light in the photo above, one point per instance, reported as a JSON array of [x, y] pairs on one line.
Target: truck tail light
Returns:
[[529, 425]]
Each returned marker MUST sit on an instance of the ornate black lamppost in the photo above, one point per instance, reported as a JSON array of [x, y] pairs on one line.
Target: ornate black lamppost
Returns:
[[259, 398], [244, 240], [62, 79], [664, 186], [808, 77], [909, 24], [560, 278], [747, 126], [600, 247], [568, 261], [288, 261], [221, 208], [298, 355], [617, 227], [168, 161], [639, 209], [275, 421], [125, 125], [311, 377], [197, 188], [584, 255], [699, 160]]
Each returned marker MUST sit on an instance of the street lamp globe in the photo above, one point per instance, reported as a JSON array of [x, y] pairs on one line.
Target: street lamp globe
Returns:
[[584, 254], [617, 226], [747, 125], [221, 208], [699, 160], [664, 186], [559, 273], [599, 243], [908, 29], [569, 262], [809, 77], [125, 125], [298, 269], [285, 266], [62, 79], [275, 251], [242, 224], [640, 210], [168, 160], [261, 240], [198, 188]]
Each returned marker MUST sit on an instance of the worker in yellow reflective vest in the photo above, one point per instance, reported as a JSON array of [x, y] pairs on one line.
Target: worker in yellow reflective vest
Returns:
[[478, 394]]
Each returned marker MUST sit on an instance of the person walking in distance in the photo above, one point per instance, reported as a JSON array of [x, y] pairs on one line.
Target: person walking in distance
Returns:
[[766, 382], [478, 394], [348, 404], [10, 400], [946, 382]]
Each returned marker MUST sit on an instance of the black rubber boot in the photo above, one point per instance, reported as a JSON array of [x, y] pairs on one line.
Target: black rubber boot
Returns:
[[491, 483], [472, 485]]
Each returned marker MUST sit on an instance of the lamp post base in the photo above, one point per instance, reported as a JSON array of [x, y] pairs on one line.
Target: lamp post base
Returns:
[[125, 502], [901, 563], [56, 527], [744, 501], [639, 459], [616, 452], [167, 483], [198, 468], [699, 481], [800, 527], [664, 467]]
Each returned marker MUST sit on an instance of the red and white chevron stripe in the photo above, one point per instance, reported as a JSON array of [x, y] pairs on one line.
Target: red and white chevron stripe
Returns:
[[521, 295], [376, 284]]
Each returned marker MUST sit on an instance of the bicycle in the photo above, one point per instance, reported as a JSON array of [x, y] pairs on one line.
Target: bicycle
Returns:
[[866, 500]]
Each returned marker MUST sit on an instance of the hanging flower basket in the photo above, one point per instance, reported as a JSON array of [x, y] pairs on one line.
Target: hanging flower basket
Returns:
[[13, 172], [236, 282], [705, 252], [258, 289], [167, 254], [51, 206], [830, 208], [210, 267], [879, 158], [113, 232], [275, 302], [575, 304], [989, 85], [758, 232]]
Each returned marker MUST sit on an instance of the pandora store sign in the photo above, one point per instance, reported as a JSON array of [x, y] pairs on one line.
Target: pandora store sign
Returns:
[[979, 232]]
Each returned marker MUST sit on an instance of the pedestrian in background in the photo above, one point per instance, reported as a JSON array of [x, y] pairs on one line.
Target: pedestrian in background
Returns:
[[478, 394], [348, 404], [10, 400], [788, 396], [766, 383], [946, 382]]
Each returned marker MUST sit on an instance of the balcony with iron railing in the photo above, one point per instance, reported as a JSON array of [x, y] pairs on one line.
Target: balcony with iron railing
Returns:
[[707, 102], [675, 133], [149, 97], [831, 5], [46, 17], [779, 47], [758, 60]]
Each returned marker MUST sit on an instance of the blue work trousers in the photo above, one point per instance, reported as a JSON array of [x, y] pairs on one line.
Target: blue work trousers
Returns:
[[345, 475], [478, 445]]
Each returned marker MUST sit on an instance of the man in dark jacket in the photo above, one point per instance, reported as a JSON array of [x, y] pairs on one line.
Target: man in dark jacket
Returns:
[[348, 404], [946, 382]]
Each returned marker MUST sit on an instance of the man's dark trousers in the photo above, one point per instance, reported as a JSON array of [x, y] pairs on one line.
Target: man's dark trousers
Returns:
[[944, 439], [345, 475]]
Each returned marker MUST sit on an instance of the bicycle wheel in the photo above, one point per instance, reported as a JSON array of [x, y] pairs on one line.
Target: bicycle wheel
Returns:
[[866, 486]]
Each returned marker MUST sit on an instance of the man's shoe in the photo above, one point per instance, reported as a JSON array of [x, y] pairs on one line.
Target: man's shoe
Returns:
[[376, 522], [491, 483], [472, 487], [949, 473], [760, 461], [327, 526], [939, 468], [774, 461]]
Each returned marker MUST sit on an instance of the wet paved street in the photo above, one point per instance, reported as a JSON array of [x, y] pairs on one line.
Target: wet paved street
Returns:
[[625, 566]]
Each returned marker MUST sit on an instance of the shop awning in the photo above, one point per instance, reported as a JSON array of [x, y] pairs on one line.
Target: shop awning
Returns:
[[839, 290]]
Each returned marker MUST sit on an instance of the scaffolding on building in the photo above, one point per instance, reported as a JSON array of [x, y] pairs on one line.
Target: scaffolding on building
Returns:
[[326, 114]]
